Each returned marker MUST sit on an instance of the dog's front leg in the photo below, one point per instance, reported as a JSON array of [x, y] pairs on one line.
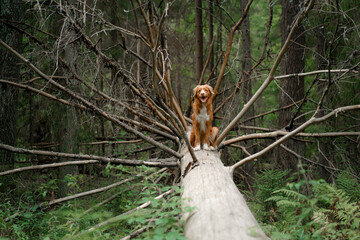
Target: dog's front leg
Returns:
[[213, 138], [197, 141], [207, 137], [206, 142]]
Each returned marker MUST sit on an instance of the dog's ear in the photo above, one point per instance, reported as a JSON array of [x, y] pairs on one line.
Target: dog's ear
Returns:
[[210, 88], [195, 89]]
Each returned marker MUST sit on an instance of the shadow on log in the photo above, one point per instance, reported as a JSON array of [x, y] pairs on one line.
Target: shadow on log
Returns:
[[220, 210]]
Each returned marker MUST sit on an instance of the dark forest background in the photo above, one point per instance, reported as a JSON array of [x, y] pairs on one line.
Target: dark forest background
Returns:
[[74, 75]]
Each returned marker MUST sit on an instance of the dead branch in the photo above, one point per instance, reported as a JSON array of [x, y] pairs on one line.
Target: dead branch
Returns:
[[282, 133], [113, 142], [270, 76], [51, 165], [151, 162], [315, 73], [92, 192], [135, 233], [312, 120], [269, 112], [45, 94]]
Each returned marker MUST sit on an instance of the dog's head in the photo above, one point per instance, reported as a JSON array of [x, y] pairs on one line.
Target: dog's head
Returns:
[[203, 92]]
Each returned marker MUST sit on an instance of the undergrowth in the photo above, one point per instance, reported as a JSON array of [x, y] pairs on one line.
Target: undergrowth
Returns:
[[329, 211], [161, 220]]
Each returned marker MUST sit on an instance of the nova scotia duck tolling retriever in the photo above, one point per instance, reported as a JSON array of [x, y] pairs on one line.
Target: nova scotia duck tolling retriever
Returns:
[[203, 134]]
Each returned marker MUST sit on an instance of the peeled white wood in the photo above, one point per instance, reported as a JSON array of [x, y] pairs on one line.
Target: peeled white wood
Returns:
[[220, 210]]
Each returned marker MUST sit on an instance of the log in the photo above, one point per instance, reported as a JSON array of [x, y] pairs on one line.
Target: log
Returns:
[[220, 209]]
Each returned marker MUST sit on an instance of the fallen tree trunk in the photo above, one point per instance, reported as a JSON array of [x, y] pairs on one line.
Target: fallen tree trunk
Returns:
[[220, 211]]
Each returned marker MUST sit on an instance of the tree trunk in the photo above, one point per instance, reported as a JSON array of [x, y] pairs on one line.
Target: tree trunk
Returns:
[[211, 32], [220, 209], [199, 39], [246, 81], [291, 89], [69, 122], [246, 61], [9, 70], [321, 64]]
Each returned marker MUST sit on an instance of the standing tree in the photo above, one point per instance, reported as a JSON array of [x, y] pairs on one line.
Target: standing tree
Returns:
[[292, 88], [9, 69], [199, 39], [213, 207]]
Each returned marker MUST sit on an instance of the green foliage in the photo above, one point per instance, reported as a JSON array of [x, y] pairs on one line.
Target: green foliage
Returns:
[[348, 184], [162, 218], [266, 183], [328, 213]]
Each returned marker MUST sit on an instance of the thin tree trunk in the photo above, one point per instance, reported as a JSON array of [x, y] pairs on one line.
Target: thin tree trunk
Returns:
[[246, 80], [9, 70], [211, 32], [219, 31], [199, 39], [246, 62], [321, 63], [68, 132]]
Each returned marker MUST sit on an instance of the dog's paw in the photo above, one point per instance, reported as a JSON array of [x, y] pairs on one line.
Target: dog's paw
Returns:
[[206, 147], [212, 148], [197, 148]]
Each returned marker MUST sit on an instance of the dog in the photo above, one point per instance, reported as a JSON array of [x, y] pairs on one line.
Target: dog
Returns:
[[203, 134]]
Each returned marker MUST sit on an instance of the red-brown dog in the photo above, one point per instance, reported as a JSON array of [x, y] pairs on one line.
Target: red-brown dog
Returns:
[[203, 135]]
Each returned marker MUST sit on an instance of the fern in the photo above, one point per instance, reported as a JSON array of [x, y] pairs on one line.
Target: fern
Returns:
[[329, 213], [349, 184], [266, 182], [290, 194]]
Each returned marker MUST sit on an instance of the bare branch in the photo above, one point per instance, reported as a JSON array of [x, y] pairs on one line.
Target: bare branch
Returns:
[[45, 94], [315, 73], [312, 120], [151, 162], [51, 165], [135, 233], [92, 192], [283, 133]]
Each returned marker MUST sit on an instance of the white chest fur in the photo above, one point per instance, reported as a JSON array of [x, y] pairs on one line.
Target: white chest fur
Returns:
[[202, 118]]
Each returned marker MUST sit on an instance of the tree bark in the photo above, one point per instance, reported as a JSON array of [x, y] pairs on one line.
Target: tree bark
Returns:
[[211, 32], [291, 89], [324, 146], [246, 61], [220, 209], [199, 39], [68, 130]]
